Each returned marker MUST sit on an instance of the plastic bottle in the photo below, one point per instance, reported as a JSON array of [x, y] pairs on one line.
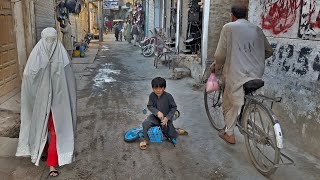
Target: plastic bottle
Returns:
[[144, 111], [278, 132]]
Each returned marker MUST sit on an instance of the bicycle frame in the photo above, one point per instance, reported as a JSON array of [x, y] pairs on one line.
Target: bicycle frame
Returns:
[[251, 98]]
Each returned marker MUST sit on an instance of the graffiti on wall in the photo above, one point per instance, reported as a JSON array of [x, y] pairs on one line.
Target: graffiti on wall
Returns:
[[294, 60], [287, 18], [310, 20], [279, 16]]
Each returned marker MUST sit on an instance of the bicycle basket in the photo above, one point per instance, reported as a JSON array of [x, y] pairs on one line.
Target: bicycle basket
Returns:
[[155, 134]]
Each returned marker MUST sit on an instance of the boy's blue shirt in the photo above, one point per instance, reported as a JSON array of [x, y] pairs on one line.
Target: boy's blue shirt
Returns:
[[165, 104]]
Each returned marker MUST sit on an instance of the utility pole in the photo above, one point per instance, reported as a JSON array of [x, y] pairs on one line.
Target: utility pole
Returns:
[[100, 20]]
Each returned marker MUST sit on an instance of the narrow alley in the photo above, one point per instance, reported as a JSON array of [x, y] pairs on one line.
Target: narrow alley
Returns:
[[112, 92], [271, 45]]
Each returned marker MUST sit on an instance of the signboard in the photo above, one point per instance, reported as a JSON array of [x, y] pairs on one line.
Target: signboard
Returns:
[[111, 4]]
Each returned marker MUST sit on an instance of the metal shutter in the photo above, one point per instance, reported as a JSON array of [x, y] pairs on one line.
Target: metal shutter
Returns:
[[45, 15]]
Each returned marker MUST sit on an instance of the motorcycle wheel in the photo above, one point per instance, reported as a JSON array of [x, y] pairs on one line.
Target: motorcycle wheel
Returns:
[[148, 51]]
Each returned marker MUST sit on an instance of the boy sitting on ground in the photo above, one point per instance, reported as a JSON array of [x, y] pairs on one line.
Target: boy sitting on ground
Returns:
[[162, 106]]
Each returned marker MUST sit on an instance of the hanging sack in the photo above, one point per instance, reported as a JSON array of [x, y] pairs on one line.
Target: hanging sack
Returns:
[[212, 83]]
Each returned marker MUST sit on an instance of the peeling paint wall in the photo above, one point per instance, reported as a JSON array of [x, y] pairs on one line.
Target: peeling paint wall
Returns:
[[293, 72]]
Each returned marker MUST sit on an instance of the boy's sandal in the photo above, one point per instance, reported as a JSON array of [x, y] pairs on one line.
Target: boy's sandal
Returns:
[[54, 171], [182, 131], [143, 145]]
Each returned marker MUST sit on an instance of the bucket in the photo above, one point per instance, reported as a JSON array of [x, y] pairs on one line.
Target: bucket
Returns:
[[76, 53]]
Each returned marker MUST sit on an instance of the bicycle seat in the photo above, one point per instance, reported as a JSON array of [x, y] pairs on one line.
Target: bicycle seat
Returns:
[[252, 85]]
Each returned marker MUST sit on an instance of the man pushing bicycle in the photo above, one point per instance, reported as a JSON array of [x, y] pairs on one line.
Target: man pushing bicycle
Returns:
[[240, 54]]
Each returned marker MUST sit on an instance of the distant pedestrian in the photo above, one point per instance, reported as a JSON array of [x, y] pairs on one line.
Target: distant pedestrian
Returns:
[[116, 31], [135, 33], [128, 32], [48, 104], [124, 30], [120, 31], [67, 37], [109, 25]]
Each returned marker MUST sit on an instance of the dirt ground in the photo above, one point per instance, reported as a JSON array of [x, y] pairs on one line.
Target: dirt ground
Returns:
[[112, 92]]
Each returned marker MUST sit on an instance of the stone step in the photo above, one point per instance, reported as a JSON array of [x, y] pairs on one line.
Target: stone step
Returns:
[[180, 73]]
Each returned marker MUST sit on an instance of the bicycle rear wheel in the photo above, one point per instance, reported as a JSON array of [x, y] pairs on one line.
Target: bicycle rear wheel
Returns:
[[260, 138], [213, 105]]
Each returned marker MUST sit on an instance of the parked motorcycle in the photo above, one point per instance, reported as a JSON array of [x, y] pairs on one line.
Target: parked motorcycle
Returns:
[[86, 40], [149, 45]]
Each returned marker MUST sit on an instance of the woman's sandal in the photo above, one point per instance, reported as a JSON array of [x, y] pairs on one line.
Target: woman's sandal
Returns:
[[143, 145], [182, 131], [54, 171]]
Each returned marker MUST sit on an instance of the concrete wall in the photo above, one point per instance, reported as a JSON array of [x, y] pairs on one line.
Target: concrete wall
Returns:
[[150, 17], [167, 17], [20, 36], [293, 70], [183, 24], [82, 23]]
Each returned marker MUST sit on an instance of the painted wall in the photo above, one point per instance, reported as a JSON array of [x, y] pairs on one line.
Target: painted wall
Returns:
[[293, 29]]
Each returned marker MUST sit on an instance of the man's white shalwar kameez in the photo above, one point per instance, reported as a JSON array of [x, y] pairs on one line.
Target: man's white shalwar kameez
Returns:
[[241, 51]]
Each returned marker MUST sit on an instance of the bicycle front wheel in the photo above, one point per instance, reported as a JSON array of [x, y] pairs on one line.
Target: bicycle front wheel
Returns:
[[213, 105], [260, 138]]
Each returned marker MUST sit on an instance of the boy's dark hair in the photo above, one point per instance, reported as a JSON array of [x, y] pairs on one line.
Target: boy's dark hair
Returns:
[[158, 82], [239, 11]]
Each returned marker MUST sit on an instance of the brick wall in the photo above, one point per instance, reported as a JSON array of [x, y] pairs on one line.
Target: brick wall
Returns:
[[219, 15]]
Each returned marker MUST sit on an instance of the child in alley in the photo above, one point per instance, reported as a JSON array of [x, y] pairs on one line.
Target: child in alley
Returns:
[[162, 106]]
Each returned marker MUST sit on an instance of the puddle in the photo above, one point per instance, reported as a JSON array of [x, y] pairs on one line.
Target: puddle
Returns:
[[104, 74], [105, 48]]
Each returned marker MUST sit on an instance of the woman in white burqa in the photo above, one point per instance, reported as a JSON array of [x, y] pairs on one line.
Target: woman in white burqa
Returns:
[[48, 104]]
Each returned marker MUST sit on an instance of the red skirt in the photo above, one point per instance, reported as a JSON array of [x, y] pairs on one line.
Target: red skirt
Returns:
[[51, 146]]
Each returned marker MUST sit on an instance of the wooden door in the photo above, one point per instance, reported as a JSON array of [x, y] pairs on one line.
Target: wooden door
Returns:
[[9, 73]]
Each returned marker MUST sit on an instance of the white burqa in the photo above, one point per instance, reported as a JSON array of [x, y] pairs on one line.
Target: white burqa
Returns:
[[48, 84]]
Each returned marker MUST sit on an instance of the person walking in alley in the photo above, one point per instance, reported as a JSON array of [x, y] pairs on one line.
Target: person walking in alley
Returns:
[[124, 30], [109, 25], [162, 106], [240, 55], [67, 37], [116, 31], [120, 31], [128, 32], [135, 33], [48, 104]]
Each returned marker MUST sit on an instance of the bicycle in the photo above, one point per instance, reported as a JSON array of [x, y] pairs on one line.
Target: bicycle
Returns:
[[169, 55], [258, 124]]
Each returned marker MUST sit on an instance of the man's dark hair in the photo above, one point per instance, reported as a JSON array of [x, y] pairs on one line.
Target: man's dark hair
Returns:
[[239, 11], [158, 82]]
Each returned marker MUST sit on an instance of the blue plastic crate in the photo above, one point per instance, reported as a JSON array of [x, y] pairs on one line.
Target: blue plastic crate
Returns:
[[155, 134]]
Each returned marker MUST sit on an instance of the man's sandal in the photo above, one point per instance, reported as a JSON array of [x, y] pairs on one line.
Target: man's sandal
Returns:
[[54, 171], [182, 131], [143, 145]]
